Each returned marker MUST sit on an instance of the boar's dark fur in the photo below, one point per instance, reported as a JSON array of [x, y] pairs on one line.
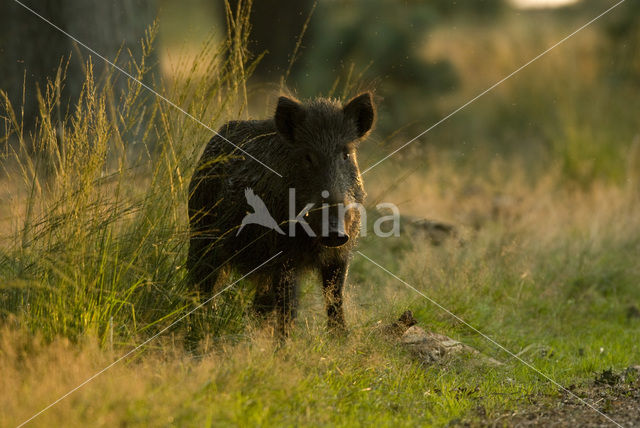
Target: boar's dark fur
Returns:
[[312, 145]]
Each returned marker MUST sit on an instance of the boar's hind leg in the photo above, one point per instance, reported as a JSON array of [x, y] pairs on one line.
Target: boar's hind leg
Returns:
[[286, 298], [334, 276]]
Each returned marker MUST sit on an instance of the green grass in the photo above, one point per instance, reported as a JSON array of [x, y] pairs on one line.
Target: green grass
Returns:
[[92, 263]]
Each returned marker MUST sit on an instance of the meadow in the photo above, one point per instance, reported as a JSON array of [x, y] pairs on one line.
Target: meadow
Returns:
[[541, 179]]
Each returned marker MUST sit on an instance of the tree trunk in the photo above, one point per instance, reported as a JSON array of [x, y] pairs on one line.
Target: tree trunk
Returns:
[[31, 50]]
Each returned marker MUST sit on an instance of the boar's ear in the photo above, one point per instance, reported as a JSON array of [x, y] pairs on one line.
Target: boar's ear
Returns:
[[288, 114], [360, 110]]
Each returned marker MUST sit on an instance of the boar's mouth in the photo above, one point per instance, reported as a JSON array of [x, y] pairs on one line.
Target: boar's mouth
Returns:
[[334, 240], [336, 235]]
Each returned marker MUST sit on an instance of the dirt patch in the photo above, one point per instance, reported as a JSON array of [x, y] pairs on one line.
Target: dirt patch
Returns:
[[616, 394]]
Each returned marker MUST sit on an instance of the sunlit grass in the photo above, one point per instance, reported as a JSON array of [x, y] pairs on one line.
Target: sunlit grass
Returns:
[[96, 238]]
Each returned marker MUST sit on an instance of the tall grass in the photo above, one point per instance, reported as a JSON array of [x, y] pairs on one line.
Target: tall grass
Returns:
[[97, 215]]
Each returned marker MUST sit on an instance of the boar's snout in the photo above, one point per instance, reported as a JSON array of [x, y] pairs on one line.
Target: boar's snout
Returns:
[[336, 235]]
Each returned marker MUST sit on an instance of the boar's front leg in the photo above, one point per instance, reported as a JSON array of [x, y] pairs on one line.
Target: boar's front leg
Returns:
[[264, 301], [286, 283], [334, 275], [203, 265]]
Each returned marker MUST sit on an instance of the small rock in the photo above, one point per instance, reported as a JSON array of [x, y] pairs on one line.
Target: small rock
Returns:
[[437, 232], [430, 347]]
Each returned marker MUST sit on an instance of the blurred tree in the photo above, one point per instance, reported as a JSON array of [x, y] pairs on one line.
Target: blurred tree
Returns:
[[377, 44], [275, 29], [31, 50], [622, 52], [352, 45]]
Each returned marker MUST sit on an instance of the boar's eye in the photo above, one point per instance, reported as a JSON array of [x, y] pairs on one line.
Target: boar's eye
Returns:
[[346, 154]]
